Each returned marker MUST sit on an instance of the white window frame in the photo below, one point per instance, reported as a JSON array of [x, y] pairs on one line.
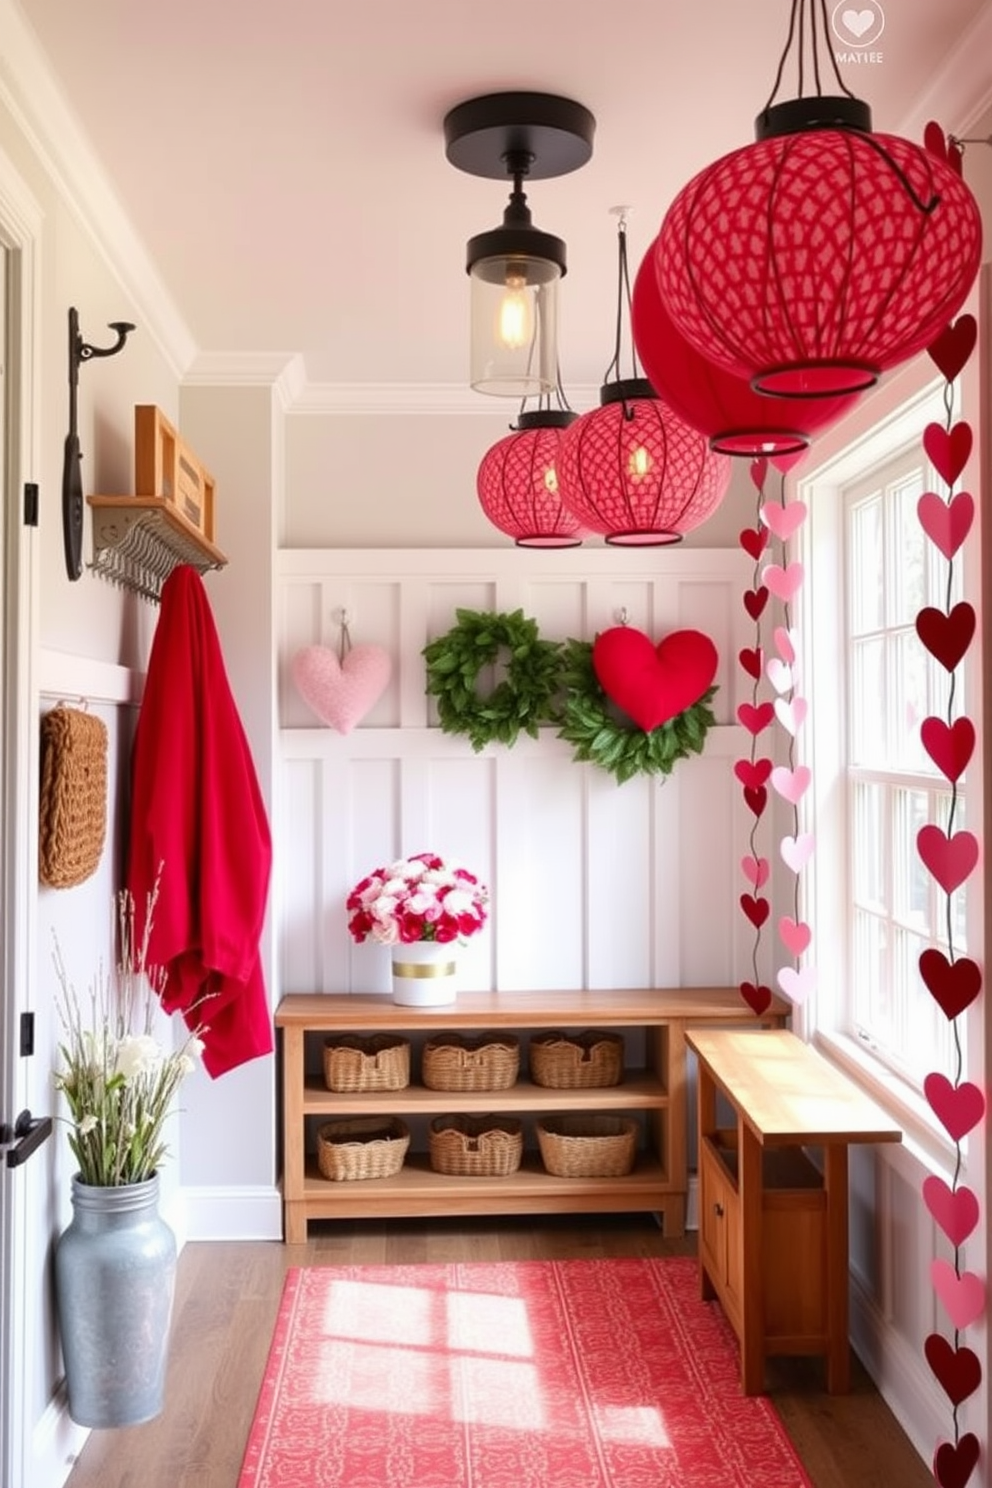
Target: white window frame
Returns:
[[901, 414]]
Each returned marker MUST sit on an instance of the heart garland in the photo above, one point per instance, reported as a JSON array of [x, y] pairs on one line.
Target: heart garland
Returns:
[[950, 857]]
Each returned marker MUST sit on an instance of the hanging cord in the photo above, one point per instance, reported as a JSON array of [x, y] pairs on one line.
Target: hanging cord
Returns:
[[344, 645], [799, 12], [624, 301]]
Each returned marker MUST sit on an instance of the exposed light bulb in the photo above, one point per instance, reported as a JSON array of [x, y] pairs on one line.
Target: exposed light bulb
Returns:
[[515, 323], [551, 480], [640, 462]]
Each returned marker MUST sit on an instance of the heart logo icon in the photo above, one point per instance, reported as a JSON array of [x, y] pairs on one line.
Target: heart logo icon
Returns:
[[341, 692], [858, 21], [958, 1371], [954, 346], [946, 523], [650, 683], [953, 985]]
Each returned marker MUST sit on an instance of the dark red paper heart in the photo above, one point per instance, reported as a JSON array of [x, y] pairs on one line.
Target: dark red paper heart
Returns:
[[750, 659], [950, 746], [952, 348], [935, 140], [958, 1371], [650, 683], [755, 601], [753, 773], [946, 637], [948, 449], [755, 717], [759, 472], [954, 1465], [953, 985], [754, 540], [756, 907], [757, 998], [756, 798]]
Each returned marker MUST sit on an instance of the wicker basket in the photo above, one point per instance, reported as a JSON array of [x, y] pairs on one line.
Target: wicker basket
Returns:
[[476, 1146], [587, 1146], [365, 1147], [379, 1062], [453, 1061], [576, 1061]]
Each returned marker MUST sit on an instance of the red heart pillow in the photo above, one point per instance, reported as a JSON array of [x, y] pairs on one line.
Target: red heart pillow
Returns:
[[653, 683]]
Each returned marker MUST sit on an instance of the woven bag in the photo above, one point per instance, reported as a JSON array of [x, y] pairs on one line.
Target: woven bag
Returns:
[[73, 806]]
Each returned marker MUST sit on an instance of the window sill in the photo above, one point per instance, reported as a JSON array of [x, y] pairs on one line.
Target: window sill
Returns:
[[924, 1136]]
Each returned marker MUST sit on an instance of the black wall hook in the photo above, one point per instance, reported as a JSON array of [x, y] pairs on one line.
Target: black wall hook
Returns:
[[72, 480]]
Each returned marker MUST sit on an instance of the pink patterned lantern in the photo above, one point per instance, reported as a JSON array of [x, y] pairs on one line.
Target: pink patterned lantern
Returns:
[[518, 487]]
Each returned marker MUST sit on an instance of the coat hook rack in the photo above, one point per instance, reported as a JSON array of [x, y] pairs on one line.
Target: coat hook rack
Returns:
[[72, 479]]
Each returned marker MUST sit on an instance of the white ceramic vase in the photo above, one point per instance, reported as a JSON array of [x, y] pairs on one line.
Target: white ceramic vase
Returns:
[[425, 973]]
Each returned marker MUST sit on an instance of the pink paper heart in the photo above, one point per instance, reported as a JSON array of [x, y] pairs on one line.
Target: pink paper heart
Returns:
[[341, 693], [788, 460], [954, 1209], [783, 521], [784, 583], [785, 644], [963, 1296], [952, 348], [797, 984], [779, 675], [959, 1108], [791, 785], [949, 859], [797, 851], [946, 523], [948, 449], [791, 714], [794, 935], [755, 870]]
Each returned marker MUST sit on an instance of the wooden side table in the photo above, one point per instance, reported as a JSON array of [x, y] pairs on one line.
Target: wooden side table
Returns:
[[773, 1236]]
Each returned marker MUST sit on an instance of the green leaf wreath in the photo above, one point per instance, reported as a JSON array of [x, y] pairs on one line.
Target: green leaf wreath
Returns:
[[623, 749], [523, 700]]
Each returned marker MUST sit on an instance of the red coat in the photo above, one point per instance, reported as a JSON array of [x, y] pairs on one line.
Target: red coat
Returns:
[[197, 810]]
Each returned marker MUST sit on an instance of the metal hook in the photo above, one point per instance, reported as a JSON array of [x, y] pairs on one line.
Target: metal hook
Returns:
[[621, 615]]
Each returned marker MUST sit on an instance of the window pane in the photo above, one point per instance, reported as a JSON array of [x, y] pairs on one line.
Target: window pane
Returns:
[[866, 565], [906, 678], [867, 841], [867, 691], [907, 552]]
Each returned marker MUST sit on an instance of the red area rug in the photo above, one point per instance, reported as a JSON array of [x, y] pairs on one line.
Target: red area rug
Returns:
[[532, 1374]]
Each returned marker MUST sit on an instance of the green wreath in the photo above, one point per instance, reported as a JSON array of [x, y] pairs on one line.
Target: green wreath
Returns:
[[624, 749], [523, 700]]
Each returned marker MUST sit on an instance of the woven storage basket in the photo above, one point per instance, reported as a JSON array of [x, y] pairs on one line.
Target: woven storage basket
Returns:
[[378, 1062], [587, 1146], [576, 1061], [488, 1061], [72, 808], [366, 1147], [476, 1146]]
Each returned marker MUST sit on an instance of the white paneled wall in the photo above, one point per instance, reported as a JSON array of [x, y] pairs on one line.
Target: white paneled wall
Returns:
[[593, 884]]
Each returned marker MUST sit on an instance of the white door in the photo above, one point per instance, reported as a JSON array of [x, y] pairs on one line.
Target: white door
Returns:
[[37, 1440]]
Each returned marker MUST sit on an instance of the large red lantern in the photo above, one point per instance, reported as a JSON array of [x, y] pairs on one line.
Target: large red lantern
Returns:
[[815, 259], [518, 487], [721, 405]]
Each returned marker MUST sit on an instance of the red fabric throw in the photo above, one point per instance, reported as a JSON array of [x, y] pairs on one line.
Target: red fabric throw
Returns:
[[197, 811], [528, 1374]]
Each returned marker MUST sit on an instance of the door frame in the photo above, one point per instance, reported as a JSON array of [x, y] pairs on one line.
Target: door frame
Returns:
[[20, 240]]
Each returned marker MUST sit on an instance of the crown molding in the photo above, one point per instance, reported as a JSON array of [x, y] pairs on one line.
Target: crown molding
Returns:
[[420, 398], [961, 91], [30, 92]]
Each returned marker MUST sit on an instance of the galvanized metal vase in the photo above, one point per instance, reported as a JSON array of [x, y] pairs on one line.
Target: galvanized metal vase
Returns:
[[115, 1272]]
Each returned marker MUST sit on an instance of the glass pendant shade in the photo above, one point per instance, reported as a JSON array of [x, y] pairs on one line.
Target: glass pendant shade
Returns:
[[817, 258], [514, 325], [637, 473], [517, 484], [721, 405]]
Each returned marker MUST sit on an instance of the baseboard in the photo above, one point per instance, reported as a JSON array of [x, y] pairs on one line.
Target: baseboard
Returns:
[[900, 1373], [247, 1213]]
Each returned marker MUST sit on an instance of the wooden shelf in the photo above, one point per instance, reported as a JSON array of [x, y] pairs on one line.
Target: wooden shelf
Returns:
[[139, 540], [653, 1089]]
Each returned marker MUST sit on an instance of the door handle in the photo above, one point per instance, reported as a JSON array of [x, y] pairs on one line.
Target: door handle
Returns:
[[26, 1135]]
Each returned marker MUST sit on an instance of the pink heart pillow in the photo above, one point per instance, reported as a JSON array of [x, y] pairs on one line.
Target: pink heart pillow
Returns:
[[341, 692], [653, 683]]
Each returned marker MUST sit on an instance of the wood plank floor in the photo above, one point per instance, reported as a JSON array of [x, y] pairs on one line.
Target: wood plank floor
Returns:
[[226, 1302]]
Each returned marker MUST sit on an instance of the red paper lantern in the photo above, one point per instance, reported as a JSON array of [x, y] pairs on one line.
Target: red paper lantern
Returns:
[[636, 472], [721, 405], [517, 483], [815, 259]]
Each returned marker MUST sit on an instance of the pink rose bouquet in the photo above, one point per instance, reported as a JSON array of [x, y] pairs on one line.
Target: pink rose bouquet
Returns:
[[417, 898]]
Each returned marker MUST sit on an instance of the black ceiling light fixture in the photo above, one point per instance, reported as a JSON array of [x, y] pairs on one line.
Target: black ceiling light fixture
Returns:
[[515, 269]]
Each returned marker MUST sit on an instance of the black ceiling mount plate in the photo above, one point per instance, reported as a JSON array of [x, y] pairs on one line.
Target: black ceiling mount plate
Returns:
[[556, 133]]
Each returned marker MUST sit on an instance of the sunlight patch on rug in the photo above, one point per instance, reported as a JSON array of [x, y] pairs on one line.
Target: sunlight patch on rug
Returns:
[[534, 1374]]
